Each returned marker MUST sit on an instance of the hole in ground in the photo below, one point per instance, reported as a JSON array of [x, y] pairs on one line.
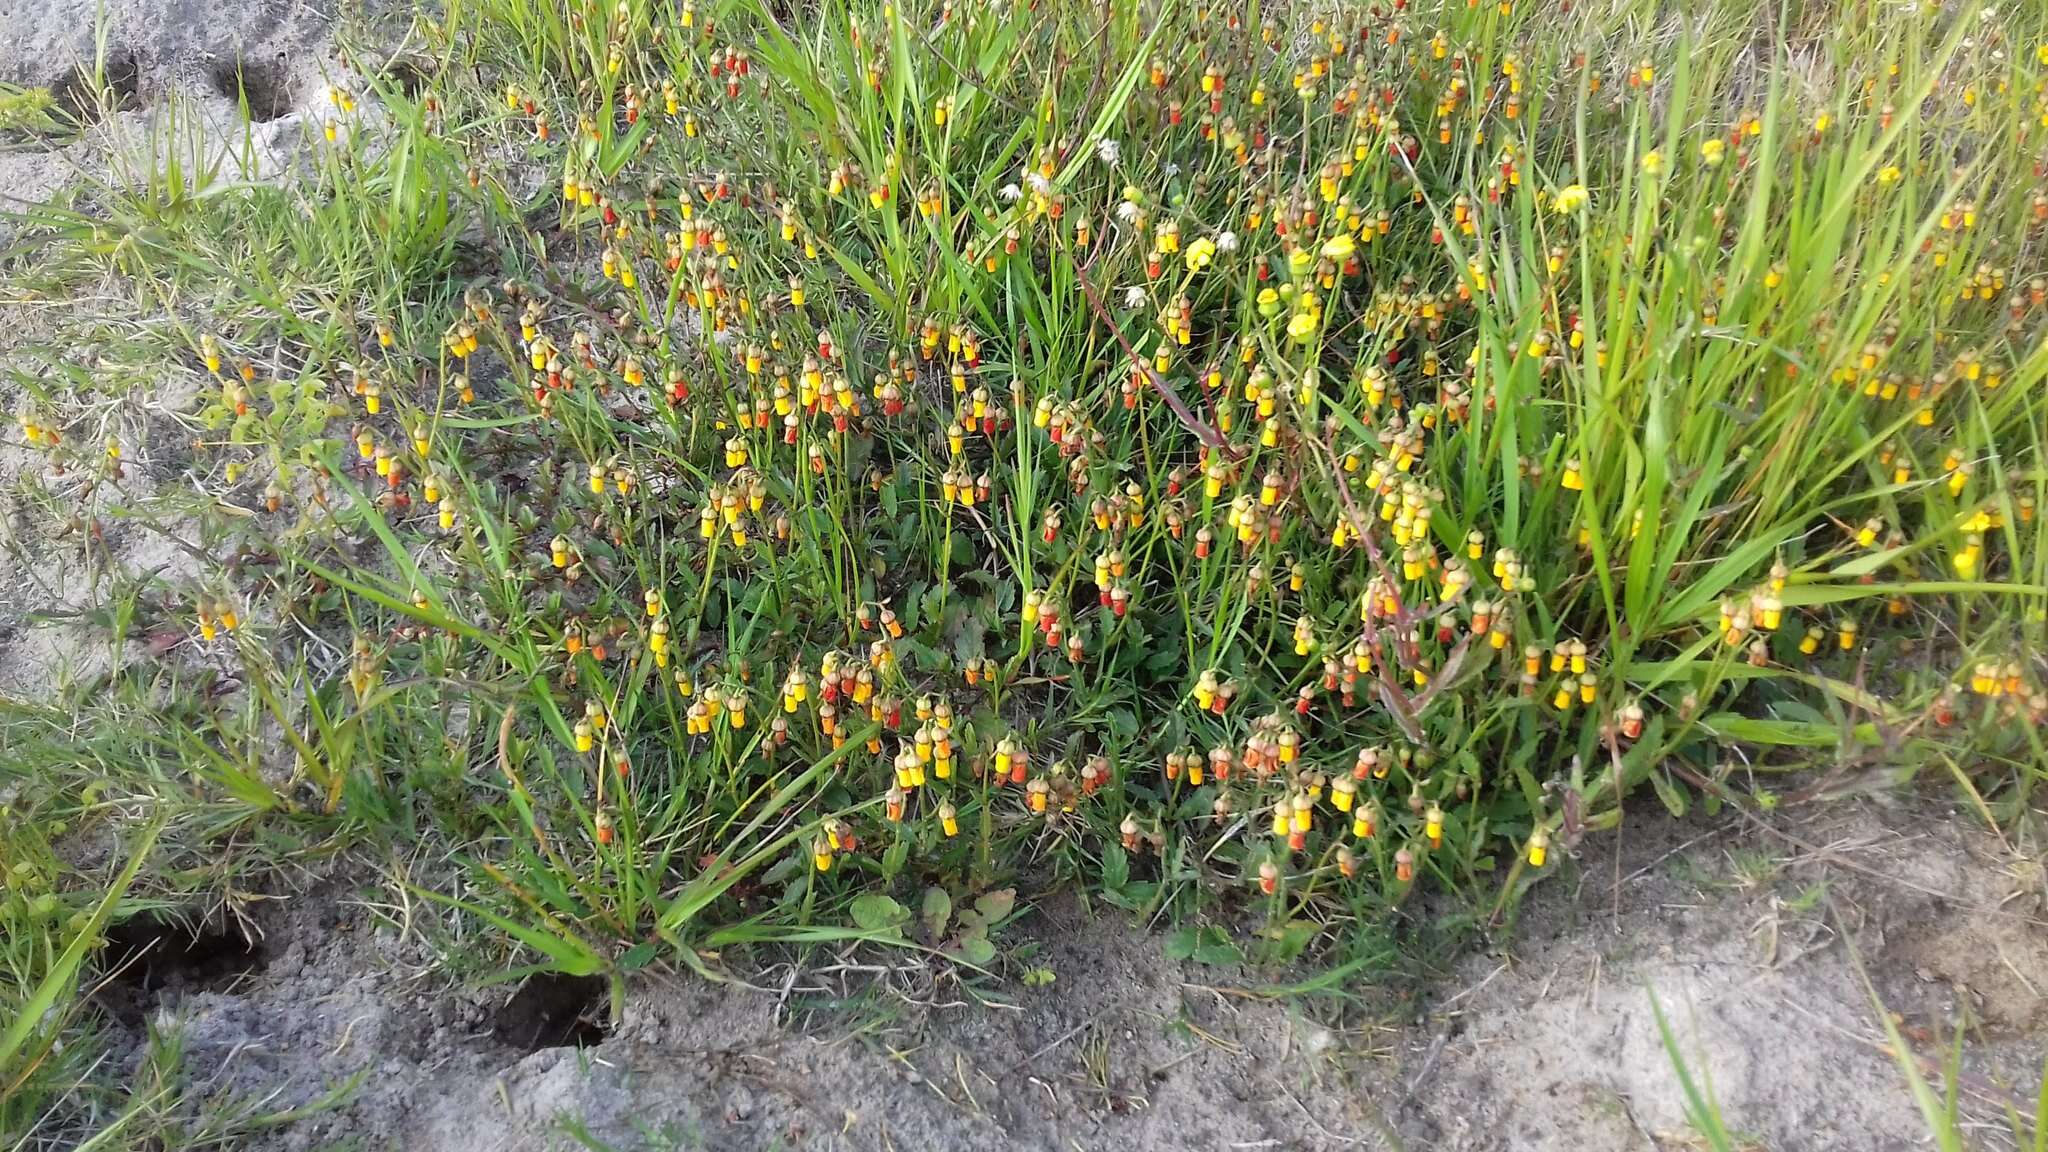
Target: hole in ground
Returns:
[[265, 84], [553, 1011], [409, 78], [150, 954], [78, 93]]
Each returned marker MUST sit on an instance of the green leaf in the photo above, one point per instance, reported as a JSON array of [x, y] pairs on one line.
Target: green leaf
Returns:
[[638, 956], [938, 912], [1286, 941], [874, 912], [1133, 897], [976, 950], [1206, 945], [1116, 867], [1216, 948], [1700, 1110], [1671, 792], [894, 857], [995, 906], [1784, 733]]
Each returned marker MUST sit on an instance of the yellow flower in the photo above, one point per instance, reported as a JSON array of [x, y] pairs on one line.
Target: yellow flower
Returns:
[[1199, 253], [1570, 198], [1712, 150], [1338, 247], [1653, 163], [1302, 327], [1889, 174]]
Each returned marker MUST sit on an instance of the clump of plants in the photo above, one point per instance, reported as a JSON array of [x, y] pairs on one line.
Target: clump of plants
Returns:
[[745, 461]]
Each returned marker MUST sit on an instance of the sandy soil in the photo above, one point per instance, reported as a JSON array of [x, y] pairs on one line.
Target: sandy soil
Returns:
[[206, 55], [1756, 943]]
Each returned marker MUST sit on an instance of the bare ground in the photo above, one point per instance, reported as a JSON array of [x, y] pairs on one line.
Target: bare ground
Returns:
[[1755, 943]]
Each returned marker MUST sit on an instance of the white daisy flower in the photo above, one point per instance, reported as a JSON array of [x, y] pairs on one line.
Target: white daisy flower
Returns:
[[1011, 192], [1227, 242], [1107, 151], [1127, 211], [1039, 183], [1134, 296]]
